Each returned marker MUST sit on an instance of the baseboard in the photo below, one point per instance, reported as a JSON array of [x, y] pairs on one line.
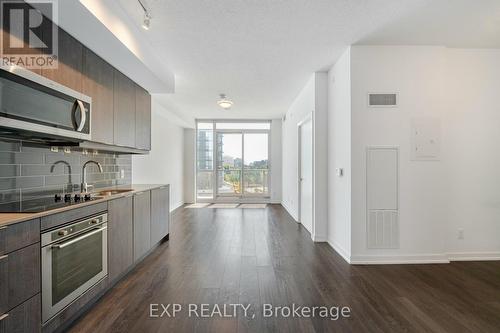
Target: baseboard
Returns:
[[340, 250], [289, 211], [400, 259], [176, 205], [318, 238], [473, 256]]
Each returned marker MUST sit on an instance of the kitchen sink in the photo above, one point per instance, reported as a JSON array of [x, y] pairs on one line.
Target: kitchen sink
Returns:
[[105, 193]]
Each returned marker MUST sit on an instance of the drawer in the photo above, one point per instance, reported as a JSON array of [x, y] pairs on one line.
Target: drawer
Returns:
[[55, 220], [19, 276], [19, 235], [23, 318]]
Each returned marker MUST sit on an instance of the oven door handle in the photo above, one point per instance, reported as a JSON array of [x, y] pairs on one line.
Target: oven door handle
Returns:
[[77, 239]]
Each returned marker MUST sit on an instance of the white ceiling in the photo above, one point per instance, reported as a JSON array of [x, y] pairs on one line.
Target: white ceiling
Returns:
[[261, 53], [453, 23]]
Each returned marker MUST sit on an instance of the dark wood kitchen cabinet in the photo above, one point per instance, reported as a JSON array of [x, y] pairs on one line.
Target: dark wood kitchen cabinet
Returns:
[[19, 276], [124, 110], [121, 109], [23, 319], [120, 236], [142, 224], [33, 52], [70, 62], [142, 118], [160, 213], [98, 84]]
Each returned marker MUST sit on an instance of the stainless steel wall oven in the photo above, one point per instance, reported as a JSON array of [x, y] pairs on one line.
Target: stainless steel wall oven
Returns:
[[74, 258]]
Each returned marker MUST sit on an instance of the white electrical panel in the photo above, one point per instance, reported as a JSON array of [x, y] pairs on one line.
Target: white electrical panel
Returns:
[[426, 139]]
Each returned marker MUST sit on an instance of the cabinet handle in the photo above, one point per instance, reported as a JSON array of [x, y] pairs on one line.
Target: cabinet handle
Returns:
[[3, 257], [2, 317], [141, 193], [163, 187], [3, 228]]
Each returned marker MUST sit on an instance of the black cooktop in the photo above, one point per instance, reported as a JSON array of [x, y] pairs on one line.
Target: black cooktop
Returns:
[[45, 203]]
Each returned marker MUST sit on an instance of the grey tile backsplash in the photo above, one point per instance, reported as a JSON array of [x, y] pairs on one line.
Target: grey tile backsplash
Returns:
[[28, 171]]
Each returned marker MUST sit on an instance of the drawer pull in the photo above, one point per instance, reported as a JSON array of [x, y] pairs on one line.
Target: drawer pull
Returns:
[[3, 228], [2, 317], [3, 257]]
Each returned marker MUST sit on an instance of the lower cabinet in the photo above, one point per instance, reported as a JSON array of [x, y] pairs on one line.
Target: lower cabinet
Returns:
[[142, 224], [120, 236], [160, 213], [23, 318], [19, 281]]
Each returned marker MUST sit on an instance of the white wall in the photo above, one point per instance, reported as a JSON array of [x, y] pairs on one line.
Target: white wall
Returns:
[[459, 191], [276, 161], [339, 155], [165, 162], [312, 98], [472, 156], [416, 74], [300, 108]]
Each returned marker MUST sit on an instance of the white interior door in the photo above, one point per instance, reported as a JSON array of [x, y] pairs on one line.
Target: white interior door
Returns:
[[306, 174]]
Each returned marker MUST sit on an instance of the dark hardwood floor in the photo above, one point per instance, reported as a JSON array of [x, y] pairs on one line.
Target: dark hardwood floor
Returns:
[[257, 256]]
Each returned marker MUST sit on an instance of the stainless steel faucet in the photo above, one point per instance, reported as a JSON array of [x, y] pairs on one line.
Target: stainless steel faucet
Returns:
[[70, 183], [85, 186]]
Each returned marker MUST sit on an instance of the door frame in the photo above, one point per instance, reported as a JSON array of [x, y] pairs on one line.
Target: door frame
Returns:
[[308, 117], [237, 199]]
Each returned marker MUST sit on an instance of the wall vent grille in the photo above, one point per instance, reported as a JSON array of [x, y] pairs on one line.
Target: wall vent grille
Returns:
[[383, 229], [382, 99]]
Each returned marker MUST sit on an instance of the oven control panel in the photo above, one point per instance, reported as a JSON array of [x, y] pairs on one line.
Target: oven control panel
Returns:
[[74, 228]]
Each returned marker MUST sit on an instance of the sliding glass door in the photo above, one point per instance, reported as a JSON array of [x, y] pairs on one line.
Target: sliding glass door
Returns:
[[229, 151], [241, 165], [256, 163]]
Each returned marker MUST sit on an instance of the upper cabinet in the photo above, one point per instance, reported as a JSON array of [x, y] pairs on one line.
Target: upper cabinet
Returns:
[[142, 118], [121, 110], [98, 84], [124, 110], [70, 62]]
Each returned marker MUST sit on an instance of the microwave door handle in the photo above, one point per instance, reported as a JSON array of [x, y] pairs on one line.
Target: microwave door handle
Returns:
[[77, 239], [83, 113]]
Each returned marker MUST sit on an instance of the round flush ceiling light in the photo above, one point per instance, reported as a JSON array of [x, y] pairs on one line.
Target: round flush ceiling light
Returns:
[[224, 102]]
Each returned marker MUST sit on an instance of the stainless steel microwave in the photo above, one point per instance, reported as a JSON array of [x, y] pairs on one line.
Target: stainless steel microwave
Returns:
[[34, 107]]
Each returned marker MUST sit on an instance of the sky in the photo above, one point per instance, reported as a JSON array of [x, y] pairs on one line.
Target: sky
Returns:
[[256, 146]]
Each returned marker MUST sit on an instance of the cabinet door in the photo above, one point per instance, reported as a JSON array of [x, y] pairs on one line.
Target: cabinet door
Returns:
[[160, 213], [4, 285], [98, 84], [70, 62], [124, 110], [34, 52], [19, 276], [142, 118], [23, 318], [142, 224], [120, 242]]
